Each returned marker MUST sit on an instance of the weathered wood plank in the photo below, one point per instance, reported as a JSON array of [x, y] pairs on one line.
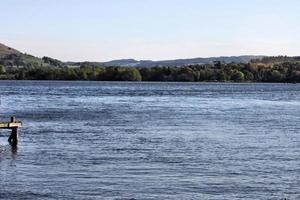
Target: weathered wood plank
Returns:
[[10, 125]]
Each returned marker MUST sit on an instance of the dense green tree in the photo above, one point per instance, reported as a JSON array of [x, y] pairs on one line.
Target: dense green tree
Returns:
[[237, 76], [248, 76], [2, 69], [130, 74]]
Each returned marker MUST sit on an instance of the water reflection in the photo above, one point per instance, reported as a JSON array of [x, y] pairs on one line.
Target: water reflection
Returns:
[[6, 150], [14, 150]]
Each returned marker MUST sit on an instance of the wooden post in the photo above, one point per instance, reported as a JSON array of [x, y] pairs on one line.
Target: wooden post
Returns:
[[14, 136], [13, 124]]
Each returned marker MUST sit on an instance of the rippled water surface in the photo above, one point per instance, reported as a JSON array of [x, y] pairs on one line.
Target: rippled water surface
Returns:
[[101, 140]]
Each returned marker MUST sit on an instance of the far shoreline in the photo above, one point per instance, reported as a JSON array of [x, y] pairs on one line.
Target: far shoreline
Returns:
[[152, 82]]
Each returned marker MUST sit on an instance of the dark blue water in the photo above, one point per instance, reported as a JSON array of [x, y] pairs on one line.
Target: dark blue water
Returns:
[[101, 140]]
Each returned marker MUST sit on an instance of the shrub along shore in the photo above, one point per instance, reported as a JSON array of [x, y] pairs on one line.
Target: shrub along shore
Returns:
[[254, 71]]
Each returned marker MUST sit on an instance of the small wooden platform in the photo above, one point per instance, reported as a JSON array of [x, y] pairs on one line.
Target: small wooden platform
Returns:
[[10, 125], [13, 125]]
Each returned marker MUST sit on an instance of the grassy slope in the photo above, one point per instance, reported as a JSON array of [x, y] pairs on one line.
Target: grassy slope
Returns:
[[6, 53], [5, 50]]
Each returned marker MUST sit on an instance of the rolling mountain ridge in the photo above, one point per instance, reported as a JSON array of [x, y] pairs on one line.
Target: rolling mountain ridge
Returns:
[[13, 57], [180, 62]]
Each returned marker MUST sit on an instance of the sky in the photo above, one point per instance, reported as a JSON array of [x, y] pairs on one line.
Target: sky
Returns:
[[103, 30]]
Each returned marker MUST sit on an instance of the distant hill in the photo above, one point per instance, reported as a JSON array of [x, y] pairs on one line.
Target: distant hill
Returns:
[[180, 62], [10, 57]]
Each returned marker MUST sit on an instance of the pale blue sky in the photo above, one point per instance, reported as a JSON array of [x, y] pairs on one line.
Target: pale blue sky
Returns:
[[101, 30]]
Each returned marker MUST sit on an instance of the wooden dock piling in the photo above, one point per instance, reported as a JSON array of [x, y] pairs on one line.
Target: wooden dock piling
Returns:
[[13, 125]]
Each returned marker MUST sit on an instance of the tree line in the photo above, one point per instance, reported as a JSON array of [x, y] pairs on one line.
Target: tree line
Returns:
[[255, 71]]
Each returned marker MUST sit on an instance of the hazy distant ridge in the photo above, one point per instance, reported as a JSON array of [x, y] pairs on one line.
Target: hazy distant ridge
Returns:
[[11, 55], [180, 62]]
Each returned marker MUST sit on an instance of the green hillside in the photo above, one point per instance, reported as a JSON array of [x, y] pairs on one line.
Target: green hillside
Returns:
[[10, 57]]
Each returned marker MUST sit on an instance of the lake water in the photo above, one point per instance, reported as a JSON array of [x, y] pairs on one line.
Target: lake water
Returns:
[[118, 140]]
